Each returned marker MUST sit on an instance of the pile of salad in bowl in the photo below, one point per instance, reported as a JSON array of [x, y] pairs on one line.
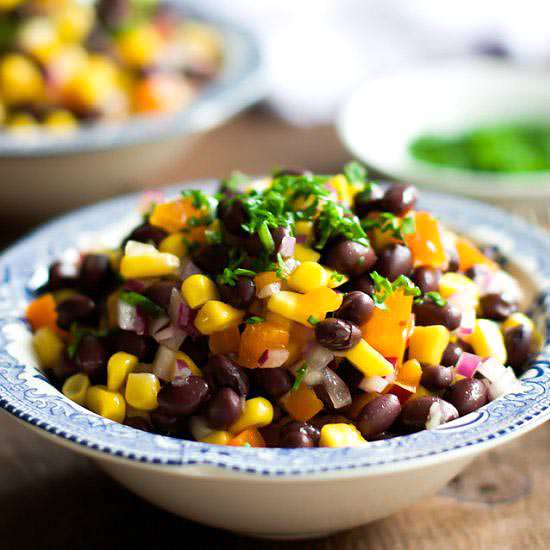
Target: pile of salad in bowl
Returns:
[[296, 310], [66, 63]]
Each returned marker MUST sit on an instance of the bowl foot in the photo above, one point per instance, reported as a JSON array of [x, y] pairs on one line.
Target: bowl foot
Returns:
[[306, 535]]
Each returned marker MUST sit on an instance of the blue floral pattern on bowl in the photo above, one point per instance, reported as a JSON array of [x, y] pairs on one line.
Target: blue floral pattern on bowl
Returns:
[[25, 392]]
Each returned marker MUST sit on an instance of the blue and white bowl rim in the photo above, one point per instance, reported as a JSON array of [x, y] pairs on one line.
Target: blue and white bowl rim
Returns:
[[26, 394]]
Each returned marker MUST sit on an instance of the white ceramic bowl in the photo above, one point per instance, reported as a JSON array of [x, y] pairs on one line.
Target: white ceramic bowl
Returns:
[[381, 118], [44, 174], [276, 493]]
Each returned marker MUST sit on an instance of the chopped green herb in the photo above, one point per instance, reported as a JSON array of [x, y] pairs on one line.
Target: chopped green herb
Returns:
[[199, 198], [312, 320], [213, 237], [138, 300], [388, 222], [229, 276], [355, 172], [281, 268], [337, 277], [246, 444], [409, 288], [254, 320], [193, 221], [435, 297], [235, 182], [191, 246], [335, 220], [384, 288], [265, 237], [300, 374]]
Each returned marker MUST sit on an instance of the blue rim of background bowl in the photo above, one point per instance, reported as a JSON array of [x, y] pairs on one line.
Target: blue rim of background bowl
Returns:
[[239, 85], [26, 394]]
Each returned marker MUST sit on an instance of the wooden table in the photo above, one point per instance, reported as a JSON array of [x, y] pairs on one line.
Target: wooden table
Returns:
[[52, 498]]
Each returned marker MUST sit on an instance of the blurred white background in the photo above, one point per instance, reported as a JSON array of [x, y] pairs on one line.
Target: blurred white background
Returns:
[[317, 50]]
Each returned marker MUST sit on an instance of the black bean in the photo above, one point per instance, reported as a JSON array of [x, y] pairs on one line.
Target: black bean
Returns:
[[91, 358], [428, 313], [350, 257], [184, 398], [296, 440], [147, 233], [139, 423], [436, 377], [370, 200], [416, 412], [95, 272], [312, 432], [357, 307], [249, 242], [378, 415], [212, 258], [467, 395], [197, 348], [351, 376], [65, 367], [399, 198], [337, 334], [58, 277], [363, 284], [291, 171], [518, 345], [130, 342], [241, 294], [167, 422], [221, 372], [233, 215], [75, 308], [451, 355], [394, 260], [454, 261], [426, 278], [160, 292], [113, 13], [497, 306], [275, 382], [223, 409]]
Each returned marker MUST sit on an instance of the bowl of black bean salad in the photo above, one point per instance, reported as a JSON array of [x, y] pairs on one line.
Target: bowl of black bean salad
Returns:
[[293, 338]]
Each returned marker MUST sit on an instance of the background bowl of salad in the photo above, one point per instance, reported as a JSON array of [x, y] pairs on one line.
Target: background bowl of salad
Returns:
[[268, 492], [477, 127], [95, 97]]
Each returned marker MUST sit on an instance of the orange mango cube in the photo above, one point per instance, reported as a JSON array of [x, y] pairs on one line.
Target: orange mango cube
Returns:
[[426, 243], [256, 339], [302, 404]]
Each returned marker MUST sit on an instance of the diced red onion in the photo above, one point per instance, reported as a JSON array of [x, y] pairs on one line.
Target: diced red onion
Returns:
[[171, 336], [491, 369], [130, 318], [269, 290], [164, 364], [182, 372], [179, 311], [301, 239], [468, 364], [336, 388], [374, 384], [158, 323], [273, 358], [439, 413], [286, 248], [187, 269], [317, 358]]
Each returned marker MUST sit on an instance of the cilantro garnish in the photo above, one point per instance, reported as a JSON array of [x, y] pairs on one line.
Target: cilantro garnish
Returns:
[[281, 268], [235, 182], [336, 277], [355, 172], [191, 246], [254, 320], [246, 444], [312, 320], [435, 297], [334, 220], [138, 300], [388, 222], [300, 374], [384, 288], [199, 199], [229, 276], [265, 237]]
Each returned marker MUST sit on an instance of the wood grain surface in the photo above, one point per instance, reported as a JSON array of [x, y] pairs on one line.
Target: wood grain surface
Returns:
[[51, 498]]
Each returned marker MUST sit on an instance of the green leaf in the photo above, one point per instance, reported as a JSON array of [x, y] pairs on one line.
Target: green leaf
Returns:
[[300, 374], [355, 172], [265, 237], [435, 297], [138, 300], [254, 320], [312, 320]]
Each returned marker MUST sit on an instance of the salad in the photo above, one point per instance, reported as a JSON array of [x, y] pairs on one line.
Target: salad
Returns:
[[297, 310], [64, 63]]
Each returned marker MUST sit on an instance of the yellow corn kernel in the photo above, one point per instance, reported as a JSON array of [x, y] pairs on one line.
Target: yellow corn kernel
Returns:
[[427, 344], [218, 437], [76, 387], [195, 371], [74, 21], [343, 192], [120, 365], [257, 413], [174, 244], [155, 265], [215, 316], [198, 289], [304, 253], [141, 391], [341, 435], [20, 80], [369, 361], [287, 304], [60, 121], [308, 276], [139, 46], [108, 404], [304, 229], [456, 283], [48, 346], [488, 341]]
